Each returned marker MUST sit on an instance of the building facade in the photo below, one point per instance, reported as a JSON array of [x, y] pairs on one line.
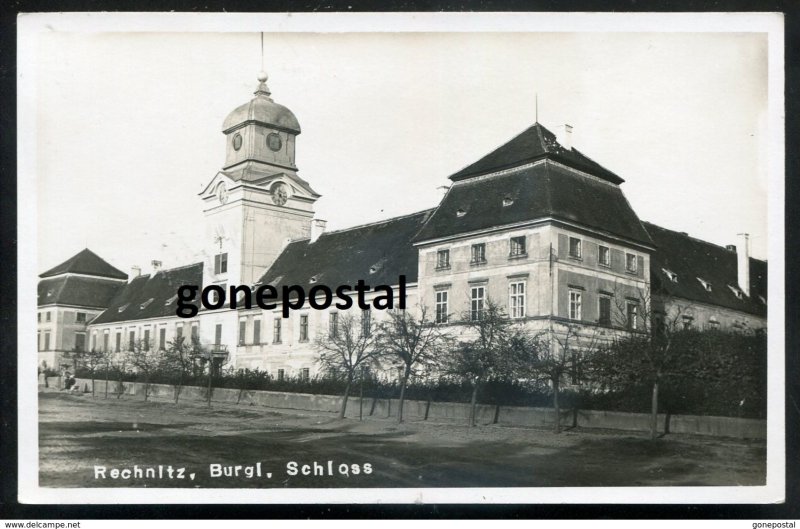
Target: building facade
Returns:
[[535, 226]]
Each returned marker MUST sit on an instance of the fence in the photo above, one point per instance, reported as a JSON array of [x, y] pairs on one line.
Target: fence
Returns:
[[444, 411]]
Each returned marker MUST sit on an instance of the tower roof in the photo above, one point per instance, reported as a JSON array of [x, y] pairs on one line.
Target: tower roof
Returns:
[[533, 144], [263, 110], [85, 262]]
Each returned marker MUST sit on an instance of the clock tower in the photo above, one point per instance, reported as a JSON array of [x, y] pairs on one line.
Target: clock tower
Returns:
[[257, 202]]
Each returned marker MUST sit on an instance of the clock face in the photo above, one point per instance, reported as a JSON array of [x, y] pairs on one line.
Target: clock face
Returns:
[[237, 141], [274, 141], [222, 193], [280, 194]]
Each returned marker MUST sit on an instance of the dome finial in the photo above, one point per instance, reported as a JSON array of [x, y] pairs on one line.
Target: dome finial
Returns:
[[262, 84]]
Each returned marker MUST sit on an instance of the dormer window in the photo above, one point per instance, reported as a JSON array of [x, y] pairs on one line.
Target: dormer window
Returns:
[[171, 300], [507, 201], [671, 275], [50, 293], [275, 281], [315, 278], [460, 212], [706, 284], [762, 299], [122, 308], [145, 304], [736, 292]]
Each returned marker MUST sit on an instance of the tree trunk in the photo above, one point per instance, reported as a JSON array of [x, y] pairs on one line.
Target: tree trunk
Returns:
[[556, 407], [473, 404], [346, 395], [654, 412], [403, 383], [361, 396], [92, 384], [210, 368], [120, 387], [106, 392], [178, 389], [146, 385]]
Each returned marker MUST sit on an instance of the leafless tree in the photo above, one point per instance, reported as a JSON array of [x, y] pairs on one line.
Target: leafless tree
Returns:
[[648, 352], [146, 359], [485, 352], [345, 349], [415, 342], [556, 356], [179, 358]]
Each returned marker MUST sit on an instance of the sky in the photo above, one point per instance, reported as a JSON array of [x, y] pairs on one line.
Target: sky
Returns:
[[128, 125]]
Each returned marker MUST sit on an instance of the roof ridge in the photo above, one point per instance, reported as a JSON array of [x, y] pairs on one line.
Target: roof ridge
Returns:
[[368, 224], [686, 234]]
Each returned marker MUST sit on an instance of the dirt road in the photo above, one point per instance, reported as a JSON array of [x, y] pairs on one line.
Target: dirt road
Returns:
[[83, 441]]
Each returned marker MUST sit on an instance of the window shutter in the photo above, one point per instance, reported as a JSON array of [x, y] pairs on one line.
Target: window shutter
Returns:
[[617, 260], [640, 266]]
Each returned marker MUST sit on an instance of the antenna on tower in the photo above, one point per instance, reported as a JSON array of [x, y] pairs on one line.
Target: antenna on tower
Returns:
[[537, 107], [262, 51]]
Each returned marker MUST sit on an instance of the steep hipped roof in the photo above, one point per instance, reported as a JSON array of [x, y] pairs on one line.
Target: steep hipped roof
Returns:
[[377, 253], [78, 291], [543, 190], [147, 296], [689, 259], [533, 144], [88, 263]]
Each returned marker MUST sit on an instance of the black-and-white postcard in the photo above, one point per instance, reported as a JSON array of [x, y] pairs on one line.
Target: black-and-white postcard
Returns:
[[401, 258]]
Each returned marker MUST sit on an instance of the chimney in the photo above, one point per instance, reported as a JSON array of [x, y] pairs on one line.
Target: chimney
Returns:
[[136, 271], [743, 263], [564, 136], [156, 265], [317, 228], [731, 248]]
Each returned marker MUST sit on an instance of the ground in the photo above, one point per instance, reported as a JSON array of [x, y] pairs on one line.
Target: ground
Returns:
[[79, 435]]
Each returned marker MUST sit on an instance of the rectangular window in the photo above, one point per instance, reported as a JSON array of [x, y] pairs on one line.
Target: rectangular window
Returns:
[[118, 342], [281, 375], [276, 330], [441, 306], [80, 317], [105, 341], [366, 323], [47, 340], [178, 332], [575, 247], [516, 299], [242, 331], [632, 315], [305, 374], [257, 331], [333, 324], [39, 317], [218, 334], [605, 310], [477, 300], [304, 327], [80, 341], [147, 339], [517, 247], [631, 263], [442, 259], [687, 322], [195, 332], [47, 316], [162, 338], [221, 263], [603, 256], [131, 340], [575, 305], [478, 254]]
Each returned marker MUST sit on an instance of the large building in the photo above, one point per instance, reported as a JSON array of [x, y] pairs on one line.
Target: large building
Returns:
[[535, 225]]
